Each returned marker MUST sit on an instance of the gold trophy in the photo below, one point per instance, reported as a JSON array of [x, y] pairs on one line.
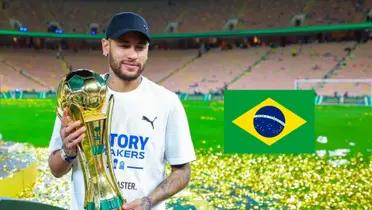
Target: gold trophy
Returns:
[[83, 93]]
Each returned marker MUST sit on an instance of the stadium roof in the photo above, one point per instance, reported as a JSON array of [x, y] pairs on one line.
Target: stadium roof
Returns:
[[236, 33]]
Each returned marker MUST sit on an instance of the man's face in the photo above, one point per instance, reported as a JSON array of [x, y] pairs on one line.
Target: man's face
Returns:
[[127, 55]]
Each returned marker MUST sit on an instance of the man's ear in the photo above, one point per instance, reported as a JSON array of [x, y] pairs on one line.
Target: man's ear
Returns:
[[105, 46]]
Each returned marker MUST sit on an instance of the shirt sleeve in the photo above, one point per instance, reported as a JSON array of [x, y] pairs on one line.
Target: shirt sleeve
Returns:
[[56, 140], [178, 144]]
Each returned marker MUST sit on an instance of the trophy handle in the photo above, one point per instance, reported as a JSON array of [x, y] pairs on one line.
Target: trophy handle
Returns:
[[108, 147], [78, 115]]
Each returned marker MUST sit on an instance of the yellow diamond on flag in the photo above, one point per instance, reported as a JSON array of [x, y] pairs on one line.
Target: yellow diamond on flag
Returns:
[[269, 121]]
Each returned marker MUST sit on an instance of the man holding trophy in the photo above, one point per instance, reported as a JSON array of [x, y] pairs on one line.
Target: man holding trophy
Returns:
[[117, 132]]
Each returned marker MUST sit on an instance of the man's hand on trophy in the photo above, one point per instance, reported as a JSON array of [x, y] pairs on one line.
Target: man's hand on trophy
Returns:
[[72, 133], [138, 204]]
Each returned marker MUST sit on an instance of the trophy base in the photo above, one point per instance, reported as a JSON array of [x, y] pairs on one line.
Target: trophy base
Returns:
[[107, 204]]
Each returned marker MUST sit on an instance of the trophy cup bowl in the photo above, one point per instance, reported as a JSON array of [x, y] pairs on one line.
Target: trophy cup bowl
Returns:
[[83, 93]]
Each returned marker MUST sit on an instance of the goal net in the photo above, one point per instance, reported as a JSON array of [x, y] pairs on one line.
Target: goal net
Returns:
[[338, 91]]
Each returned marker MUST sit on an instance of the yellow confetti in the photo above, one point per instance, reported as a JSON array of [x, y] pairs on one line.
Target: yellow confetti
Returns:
[[249, 181]]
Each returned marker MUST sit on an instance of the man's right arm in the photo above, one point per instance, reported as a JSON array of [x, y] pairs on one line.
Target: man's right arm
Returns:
[[57, 165], [71, 133]]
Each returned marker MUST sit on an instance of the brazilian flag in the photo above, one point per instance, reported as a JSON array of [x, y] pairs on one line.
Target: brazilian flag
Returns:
[[269, 121]]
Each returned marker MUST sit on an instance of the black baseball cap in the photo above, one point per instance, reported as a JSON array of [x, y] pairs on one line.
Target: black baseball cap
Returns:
[[125, 22]]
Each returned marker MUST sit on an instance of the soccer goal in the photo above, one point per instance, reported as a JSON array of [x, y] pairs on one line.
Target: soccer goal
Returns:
[[338, 91]]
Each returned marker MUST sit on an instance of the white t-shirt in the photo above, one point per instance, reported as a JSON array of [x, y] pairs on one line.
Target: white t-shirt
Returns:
[[149, 128]]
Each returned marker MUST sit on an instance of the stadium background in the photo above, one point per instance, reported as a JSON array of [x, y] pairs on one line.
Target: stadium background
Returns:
[[201, 48]]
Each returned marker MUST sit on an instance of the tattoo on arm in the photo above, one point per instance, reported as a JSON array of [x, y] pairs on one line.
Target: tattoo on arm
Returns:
[[175, 182], [145, 204]]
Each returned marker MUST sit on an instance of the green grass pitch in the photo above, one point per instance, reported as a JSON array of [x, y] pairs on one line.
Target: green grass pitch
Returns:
[[31, 120]]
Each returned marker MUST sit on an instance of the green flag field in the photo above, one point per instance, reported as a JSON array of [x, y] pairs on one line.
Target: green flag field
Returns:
[[31, 120]]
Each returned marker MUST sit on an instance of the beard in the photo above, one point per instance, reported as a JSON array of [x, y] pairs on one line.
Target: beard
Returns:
[[116, 68]]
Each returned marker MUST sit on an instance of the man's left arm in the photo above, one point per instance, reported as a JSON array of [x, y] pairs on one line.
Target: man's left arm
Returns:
[[175, 182]]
